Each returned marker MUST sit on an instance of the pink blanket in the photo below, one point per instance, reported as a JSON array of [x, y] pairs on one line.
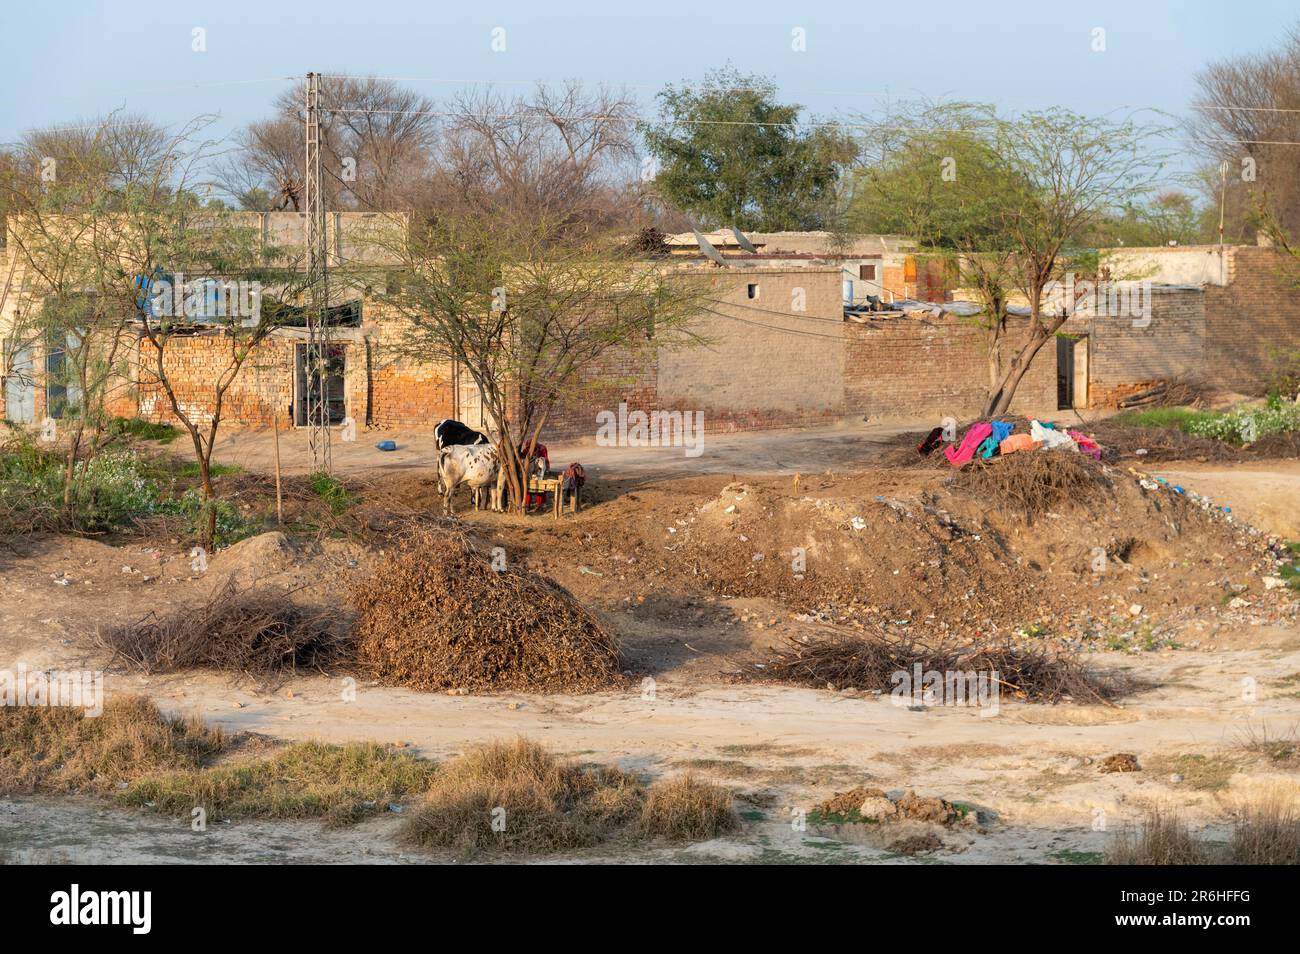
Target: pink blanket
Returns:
[[969, 444]]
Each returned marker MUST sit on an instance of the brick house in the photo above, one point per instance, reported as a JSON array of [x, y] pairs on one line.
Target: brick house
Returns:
[[781, 349]]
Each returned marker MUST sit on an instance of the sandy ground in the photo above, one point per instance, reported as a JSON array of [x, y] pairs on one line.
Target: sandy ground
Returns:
[[783, 451], [1264, 494], [1031, 772]]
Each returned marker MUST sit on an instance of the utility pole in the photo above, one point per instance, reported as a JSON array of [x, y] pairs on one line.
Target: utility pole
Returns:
[[318, 332]]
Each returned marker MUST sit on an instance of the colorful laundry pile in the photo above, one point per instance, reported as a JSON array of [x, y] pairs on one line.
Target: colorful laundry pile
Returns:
[[989, 439]]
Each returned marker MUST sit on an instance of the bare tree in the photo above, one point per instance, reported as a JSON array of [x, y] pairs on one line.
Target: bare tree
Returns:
[[528, 311], [565, 157], [1245, 113], [376, 139]]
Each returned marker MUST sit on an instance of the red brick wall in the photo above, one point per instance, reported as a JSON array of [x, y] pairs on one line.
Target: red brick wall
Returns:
[[379, 393], [1125, 358], [907, 367]]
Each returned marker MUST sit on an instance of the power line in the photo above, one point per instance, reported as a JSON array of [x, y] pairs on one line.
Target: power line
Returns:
[[787, 331], [796, 124], [769, 311], [724, 89], [654, 86]]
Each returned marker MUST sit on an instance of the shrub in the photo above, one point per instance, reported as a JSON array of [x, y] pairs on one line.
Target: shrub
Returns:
[[144, 430], [109, 490], [1247, 425]]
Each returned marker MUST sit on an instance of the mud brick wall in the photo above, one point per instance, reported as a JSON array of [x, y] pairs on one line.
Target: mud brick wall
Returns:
[[766, 363], [1124, 358], [906, 367], [1254, 317]]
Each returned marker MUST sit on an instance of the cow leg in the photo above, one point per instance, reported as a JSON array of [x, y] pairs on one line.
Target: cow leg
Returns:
[[499, 491]]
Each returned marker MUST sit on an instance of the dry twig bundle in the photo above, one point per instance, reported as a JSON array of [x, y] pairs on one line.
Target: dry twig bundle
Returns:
[[438, 615]]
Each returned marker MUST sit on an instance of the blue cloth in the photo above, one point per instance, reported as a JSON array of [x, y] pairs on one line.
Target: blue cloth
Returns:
[[1001, 431]]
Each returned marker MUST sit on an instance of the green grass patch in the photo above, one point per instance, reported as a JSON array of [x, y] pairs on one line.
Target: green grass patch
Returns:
[[190, 469], [1179, 418], [331, 490], [340, 783], [143, 430], [1244, 424]]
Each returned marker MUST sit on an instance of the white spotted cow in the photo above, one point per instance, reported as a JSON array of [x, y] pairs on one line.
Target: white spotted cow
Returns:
[[474, 465]]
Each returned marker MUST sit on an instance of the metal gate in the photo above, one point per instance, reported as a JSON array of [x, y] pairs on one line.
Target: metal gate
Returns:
[[20, 385]]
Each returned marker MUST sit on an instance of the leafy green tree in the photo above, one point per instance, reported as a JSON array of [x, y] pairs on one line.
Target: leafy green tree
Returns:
[[1006, 201], [729, 153], [1170, 218]]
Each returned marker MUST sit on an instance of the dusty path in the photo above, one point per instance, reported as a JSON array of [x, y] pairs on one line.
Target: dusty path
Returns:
[[1032, 772], [806, 450], [1265, 494]]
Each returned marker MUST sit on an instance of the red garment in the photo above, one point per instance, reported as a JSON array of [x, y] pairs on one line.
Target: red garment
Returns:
[[1086, 444], [969, 444], [539, 453]]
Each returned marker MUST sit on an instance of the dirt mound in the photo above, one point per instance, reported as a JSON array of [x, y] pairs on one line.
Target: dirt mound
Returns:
[[437, 615], [262, 554], [1059, 545]]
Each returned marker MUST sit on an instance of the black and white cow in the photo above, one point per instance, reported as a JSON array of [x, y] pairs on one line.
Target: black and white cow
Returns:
[[475, 466], [449, 433]]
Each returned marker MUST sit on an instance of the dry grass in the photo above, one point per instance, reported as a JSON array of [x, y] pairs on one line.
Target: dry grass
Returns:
[[342, 783], [1267, 832], [1032, 482], [1202, 773], [1161, 839], [843, 661], [683, 808], [516, 797], [257, 632], [539, 803], [1279, 749], [60, 750], [436, 615]]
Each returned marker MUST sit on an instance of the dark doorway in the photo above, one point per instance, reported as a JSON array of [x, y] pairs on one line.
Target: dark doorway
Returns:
[[1064, 373], [306, 386]]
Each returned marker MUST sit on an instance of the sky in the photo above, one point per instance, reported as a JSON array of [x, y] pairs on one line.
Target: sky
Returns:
[[67, 62]]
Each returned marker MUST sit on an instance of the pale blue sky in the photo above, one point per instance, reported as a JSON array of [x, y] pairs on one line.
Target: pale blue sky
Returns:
[[64, 61]]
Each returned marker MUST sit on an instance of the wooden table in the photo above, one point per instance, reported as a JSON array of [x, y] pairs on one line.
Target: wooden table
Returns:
[[555, 487]]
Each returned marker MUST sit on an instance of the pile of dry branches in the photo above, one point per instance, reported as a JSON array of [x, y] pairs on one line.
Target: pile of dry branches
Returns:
[[1025, 671], [1032, 482], [258, 632], [439, 615]]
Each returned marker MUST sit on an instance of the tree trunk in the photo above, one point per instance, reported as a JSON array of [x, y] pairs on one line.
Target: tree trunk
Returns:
[[1003, 395]]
